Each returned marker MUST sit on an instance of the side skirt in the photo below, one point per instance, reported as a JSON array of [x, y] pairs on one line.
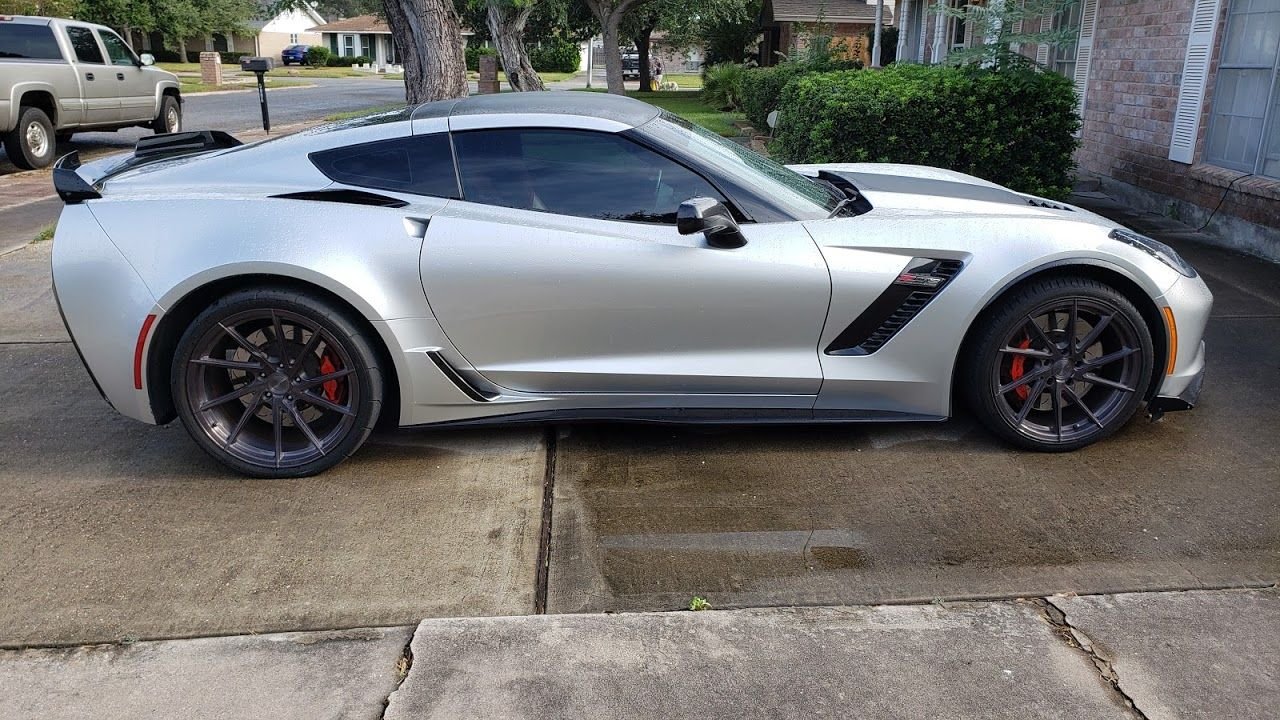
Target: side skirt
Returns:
[[692, 416]]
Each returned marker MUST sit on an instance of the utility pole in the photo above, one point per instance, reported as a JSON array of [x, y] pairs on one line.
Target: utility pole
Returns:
[[875, 44]]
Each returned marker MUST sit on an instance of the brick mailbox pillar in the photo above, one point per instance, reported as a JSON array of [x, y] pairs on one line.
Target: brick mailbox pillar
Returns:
[[489, 74], [210, 68]]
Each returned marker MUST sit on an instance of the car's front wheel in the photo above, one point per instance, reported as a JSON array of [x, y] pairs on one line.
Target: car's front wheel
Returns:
[[170, 118], [1060, 364], [277, 383]]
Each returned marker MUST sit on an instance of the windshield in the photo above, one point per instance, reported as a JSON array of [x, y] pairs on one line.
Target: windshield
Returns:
[[802, 197]]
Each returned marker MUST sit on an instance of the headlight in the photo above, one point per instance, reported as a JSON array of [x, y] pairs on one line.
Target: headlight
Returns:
[[1155, 249]]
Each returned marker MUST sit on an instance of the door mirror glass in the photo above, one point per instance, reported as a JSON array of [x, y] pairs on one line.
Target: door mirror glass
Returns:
[[148, 59], [711, 218]]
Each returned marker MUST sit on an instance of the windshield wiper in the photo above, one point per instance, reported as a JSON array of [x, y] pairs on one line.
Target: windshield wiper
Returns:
[[839, 206]]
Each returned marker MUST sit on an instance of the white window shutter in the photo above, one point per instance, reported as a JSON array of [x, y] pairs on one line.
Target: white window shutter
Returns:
[[1084, 51], [1042, 50], [1195, 74]]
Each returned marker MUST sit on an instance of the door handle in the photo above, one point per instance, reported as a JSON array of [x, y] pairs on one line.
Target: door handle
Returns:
[[119, 76], [88, 76]]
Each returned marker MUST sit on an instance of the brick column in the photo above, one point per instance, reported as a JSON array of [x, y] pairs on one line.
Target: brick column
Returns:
[[210, 68]]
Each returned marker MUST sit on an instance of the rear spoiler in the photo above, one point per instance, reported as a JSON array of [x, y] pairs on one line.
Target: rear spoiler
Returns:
[[73, 188]]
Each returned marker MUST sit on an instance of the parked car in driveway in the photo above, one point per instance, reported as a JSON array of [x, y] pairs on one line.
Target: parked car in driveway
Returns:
[[568, 256], [294, 54], [59, 77], [630, 66]]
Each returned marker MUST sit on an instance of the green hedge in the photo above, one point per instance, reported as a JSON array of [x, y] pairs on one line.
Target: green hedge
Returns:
[[318, 55], [555, 55], [1015, 128], [722, 85], [762, 91], [228, 58], [346, 60], [473, 57]]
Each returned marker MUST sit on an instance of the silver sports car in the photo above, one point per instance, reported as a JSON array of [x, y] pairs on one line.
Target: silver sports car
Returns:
[[580, 256]]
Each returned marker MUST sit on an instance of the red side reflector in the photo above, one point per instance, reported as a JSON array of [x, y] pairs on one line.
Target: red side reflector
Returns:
[[137, 351]]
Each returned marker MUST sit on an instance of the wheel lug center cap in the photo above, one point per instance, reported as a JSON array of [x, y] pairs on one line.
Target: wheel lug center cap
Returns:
[[278, 383], [1063, 369]]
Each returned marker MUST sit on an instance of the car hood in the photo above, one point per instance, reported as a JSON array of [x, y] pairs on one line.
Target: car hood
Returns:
[[935, 190]]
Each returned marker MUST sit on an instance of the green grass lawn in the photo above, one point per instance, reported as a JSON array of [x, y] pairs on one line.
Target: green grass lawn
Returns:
[[689, 105], [192, 86], [547, 77], [685, 81], [293, 71], [362, 112]]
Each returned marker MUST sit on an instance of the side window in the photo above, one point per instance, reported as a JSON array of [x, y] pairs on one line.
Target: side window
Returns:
[[119, 53], [574, 172], [28, 42], [422, 165], [85, 45]]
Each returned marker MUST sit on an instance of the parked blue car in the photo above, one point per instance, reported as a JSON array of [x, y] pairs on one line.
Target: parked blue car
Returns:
[[294, 54]]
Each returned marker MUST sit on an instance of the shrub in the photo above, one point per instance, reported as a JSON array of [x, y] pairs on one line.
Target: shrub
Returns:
[[168, 56], [346, 61], [473, 57], [318, 56], [722, 85], [762, 91], [555, 55], [228, 58], [1012, 127]]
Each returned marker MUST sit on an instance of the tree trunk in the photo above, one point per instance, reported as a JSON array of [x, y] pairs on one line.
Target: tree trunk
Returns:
[[429, 43], [642, 41], [506, 25], [612, 55]]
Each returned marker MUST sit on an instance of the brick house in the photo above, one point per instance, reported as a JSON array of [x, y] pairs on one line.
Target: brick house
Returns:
[[787, 24], [1180, 101]]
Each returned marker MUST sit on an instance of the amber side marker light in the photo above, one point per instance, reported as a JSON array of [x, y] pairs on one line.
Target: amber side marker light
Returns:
[[1173, 340]]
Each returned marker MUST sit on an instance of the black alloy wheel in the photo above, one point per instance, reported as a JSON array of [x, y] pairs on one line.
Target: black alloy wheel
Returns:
[[276, 383], [1061, 364]]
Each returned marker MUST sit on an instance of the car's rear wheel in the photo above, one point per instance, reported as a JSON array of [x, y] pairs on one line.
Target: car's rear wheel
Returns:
[[31, 144], [1060, 364], [276, 383]]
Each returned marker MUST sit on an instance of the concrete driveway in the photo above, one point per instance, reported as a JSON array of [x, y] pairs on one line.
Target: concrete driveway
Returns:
[[110, 529]]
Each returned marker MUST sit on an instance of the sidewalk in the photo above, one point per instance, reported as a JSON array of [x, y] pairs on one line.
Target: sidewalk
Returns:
[[1198, 654]]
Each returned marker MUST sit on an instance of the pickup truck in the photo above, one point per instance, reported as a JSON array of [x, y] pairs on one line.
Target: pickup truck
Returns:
[[59, 77]]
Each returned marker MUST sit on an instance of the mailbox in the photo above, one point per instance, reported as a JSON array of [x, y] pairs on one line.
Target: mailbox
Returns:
[[256, 64]]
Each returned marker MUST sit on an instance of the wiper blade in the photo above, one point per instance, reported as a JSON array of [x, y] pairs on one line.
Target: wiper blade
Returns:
[[840, 206]]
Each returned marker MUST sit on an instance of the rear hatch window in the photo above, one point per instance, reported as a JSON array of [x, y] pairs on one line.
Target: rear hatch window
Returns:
[[24, 41]]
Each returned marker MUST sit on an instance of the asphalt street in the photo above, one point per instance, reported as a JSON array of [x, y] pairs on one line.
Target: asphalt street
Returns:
[[110, 529], [238, 110]]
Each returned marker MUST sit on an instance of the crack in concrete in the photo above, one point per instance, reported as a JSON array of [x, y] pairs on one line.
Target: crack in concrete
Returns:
[[403, 664], [542, 576], [1077, 639]]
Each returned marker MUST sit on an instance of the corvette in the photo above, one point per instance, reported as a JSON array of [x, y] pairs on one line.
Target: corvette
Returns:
[[581, 256]]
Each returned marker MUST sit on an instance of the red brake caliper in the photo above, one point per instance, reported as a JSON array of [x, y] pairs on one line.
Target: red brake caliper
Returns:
[[1018, 368], [330, 388]]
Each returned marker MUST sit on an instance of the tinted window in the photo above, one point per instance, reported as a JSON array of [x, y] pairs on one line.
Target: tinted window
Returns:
[[85, 45], [421, 165], [28, 42], [119, 53], [574, 172]]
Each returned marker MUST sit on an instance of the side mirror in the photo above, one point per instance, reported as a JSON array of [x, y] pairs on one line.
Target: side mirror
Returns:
[[147, 59], [711, 218]]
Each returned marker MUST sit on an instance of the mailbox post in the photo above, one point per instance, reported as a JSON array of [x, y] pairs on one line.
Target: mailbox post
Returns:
[[258, 66]]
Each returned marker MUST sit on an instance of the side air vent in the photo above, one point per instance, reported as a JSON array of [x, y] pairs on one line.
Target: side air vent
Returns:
[[1041, 202], [469, 389], [919, 282], [349, 197]]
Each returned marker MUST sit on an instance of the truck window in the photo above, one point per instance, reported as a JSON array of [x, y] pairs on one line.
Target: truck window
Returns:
[[119, 53], [28, 42], [85, 45]]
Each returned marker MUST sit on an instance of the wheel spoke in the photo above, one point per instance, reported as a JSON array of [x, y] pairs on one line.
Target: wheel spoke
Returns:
[[1099, 380], [245, 365], [304, 427], [1108, 358], [1032, 398], [306, 351], [1073, 319], [1071, 393], [254, 350], [1057, 408], [1033, 375], [1095, 333], [278, 328], [1041, 336], [249, 412], [321, 379], [326, 404], [238, 392], [1029, 352], [277, 421]]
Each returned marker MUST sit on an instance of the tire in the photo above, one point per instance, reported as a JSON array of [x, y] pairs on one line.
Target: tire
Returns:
[[170, 118], [32, 143], [1040, 387], [285, 422]]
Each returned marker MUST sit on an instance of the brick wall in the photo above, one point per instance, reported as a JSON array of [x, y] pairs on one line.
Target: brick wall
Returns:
[[1139, 50]]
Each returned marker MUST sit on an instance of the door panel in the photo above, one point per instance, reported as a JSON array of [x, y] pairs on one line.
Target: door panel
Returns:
[[548, 303], [134, 85], [101, 90]]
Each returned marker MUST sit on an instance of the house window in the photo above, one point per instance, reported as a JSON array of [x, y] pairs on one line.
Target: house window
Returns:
[[293, 38], [959, 25], [349, 45], [1062, 58], [1244, 119]]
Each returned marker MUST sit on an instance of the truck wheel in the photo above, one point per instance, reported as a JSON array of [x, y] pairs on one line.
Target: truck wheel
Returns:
[[170, 118], [31, 144]]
